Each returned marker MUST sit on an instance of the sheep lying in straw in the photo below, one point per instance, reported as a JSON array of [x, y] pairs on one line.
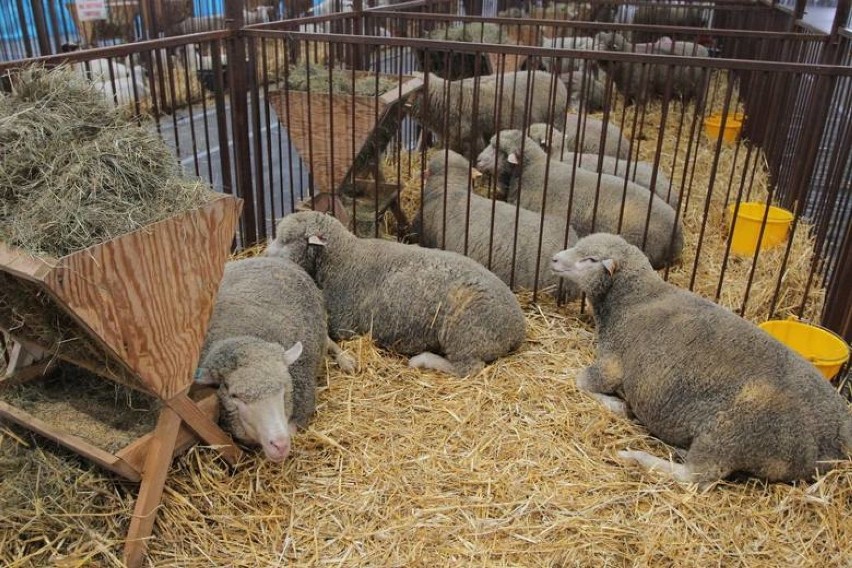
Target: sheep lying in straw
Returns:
[[413, 300], [641, 173], [447, 107], [637, 83], [700, 377], [595, 202], [264, 348], [587, 134], [457, 219]]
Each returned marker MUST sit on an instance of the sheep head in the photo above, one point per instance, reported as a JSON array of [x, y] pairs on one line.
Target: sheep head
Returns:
[[596, 262], [304, 237], [255, 390]]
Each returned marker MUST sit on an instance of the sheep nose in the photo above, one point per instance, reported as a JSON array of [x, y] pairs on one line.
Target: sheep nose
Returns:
[[282, 446]]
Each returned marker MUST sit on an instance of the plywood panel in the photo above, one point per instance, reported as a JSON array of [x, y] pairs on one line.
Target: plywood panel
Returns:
[[148, 295]]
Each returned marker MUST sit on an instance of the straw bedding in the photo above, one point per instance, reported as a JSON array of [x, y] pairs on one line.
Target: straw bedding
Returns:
[[512, 467]]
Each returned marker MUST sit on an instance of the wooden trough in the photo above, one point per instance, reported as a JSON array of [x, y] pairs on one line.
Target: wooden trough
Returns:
[[341, 137], [133, 310]]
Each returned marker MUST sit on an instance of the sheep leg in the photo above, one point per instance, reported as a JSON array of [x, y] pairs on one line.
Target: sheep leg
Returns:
[[604, 376], [613, 403], [680, 472], [427, 360], [346, 362]]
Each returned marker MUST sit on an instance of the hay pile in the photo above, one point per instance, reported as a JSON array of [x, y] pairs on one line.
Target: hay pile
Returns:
[[471, 32], [320, 79], [75, 172]]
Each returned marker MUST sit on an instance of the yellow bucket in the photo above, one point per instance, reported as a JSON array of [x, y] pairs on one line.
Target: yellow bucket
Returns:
[[825, 349], [747, 228], [733, 127]]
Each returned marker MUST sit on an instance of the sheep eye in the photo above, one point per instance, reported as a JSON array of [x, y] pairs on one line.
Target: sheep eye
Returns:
[[590, 259]]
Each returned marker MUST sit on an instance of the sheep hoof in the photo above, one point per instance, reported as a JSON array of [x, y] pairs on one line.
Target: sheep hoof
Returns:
[[346, 363], [679, 472], [428, 360], [614, 404]]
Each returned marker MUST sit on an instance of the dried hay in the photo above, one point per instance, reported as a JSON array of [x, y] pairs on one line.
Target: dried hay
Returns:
[[408, 468], [75, 172], [752, 297], [321, 79], [87, 406]]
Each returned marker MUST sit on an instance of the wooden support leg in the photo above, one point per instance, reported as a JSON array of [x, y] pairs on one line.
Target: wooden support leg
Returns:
[[206, 429], [157, 464]]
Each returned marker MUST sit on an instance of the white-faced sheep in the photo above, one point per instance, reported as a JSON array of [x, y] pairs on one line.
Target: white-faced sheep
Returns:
[[587, 134], [594, 202], [637, 81], [447, 107], [459, 220], [638, 172], [264, 348], [413, 300], [561, 65], [700, 377]]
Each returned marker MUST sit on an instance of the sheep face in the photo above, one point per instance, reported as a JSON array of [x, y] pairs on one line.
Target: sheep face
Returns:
[[592, 274], [504, 163], [256, 395], [302, 238], [594, 263]]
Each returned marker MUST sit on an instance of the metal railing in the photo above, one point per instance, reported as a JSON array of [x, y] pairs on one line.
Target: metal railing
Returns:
[[226, 102]]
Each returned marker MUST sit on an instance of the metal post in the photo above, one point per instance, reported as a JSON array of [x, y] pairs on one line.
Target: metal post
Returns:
[[41, 28], [238, 86], [837, 312]]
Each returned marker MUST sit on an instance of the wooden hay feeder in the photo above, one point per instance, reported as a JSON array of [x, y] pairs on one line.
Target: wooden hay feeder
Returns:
[[341, 137], [133, 310]]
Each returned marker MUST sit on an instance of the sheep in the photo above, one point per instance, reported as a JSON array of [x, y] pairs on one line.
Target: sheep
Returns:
[[264, 348], [566, 64], [586, 134], [197, 24], [679, 16], [412, 300], [448, 105], [102, 69], [593, 201], [699, 376], [461, 221], [588, 93], [641, 173], [636, 83]]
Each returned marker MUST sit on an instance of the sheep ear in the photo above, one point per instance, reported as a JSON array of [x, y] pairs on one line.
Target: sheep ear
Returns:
[[318, 240], [206, 377], [610, 265], [513, 158], [293, 353]]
